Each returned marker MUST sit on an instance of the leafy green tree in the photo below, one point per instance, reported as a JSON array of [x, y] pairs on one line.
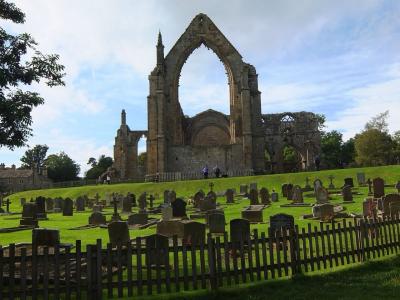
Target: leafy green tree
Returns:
[[348, 152], [142, 159], [331, 149], [98, 167], [379, 122], [34, 158], [60, 167], [18, 67]]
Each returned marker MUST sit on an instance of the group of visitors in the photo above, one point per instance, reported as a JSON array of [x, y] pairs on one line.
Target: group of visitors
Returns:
[[216, 170]]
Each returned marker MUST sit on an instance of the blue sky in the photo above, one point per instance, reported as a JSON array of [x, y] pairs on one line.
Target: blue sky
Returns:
[[339, 58]]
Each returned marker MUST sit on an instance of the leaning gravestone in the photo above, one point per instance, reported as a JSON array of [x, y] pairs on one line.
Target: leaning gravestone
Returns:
[[140, 218], [194, 233], [347, 194], [239, 230], [216, 223], [97, 218], [68, 209], [349, 181], [253, 196], [229, 196], [179, 208], [80, 204], [361, 179], [297, 194], [379, 187], [42, 237], [29, 215], [322, 195], [264, 195], [280, 221], [118, 233]]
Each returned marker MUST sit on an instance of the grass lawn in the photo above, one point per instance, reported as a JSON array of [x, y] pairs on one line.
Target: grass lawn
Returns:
[[185, 189]]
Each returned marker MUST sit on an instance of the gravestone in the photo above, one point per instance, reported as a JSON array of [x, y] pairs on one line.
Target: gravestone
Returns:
[[29, 215], [208, 203], [317, 184], [151, 200], [58, 204], [216, 222], [127, 204], [253, 196], [171, 196], [170, 228], [229, 196], [253, 213], [322, 195], [157, 246], [80, 204], [178, 208], [198, 198], [142, 202], [140, 218], [253, 186], [41, 207], [118, 232], [297, 194], [284, 190], [386, 201], [42, 237], [97, 218], [132, 198], [394, 209], [361, 179], [166, 196], [166, 213], [349, 181], [347, 194], [397, 186], [331, 185], [239, 230], [278, 221], [290, 191], [212, 195], [274, 196], [97, 208], [97, 199], [307, 186], [243, 189], [379, 187], [264, 195], [115, 216], [68, 208], [369, 208], [369, 182], [194, 233], [49, 204], [324, 212]]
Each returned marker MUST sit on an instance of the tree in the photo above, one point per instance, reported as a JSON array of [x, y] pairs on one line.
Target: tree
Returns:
[[34, 158], [98, 167], [379, 122], [331, 149], [60, 167], [348, 152], [142, 159], [18, 69]]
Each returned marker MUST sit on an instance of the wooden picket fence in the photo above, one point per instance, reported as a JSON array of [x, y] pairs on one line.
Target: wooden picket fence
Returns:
[[138, 269]]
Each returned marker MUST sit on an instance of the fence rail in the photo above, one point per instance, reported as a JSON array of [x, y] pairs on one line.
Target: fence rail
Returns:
[[148, 265]]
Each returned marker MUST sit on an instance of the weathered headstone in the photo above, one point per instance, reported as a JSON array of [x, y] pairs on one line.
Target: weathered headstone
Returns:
[[68, 208], [239, 230], [166, 213], [29, 214], [208, 203], [80, 204], [281, 221], [229, 196], [264, 195], [379, 187], [284, 190], [321, 195], [171, 196], [140, 218], [297, 194], [387, 200], [253, 186], [253, 196], [97, 218], [179, 208], [58, 204], [49, 204], [349, 181], [331, 185], [253, 213], [157, 246], [317, 184], [127, 204], [142, 202], [118, 232], [361, 179], [41, 207], [166, 196], [198, 198], [369, 208], [274, 196], [243, 189], [194, 233], [290, 191], [216, 223], [324, 212], [347, 194], [45, 237]]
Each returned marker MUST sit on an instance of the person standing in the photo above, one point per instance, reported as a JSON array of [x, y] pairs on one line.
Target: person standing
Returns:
[[205, 172]]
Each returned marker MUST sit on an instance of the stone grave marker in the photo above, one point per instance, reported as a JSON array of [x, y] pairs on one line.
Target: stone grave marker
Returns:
[[198, 198], [97, 198], [216, 222], [284, 190], [97, 218], [142, 201], [229, 196], [151, 200], [166, 196], [369, 208], [297, 194], [49, 204], [264, 195], [29, 215], [361, 179], [140, 218], [253, 186], [194, 233], [212, 195], [58, 204], [239, 230], [118, 232], [253, 196], [171, 196], [68, 208], [157, 245], [278, 221], [115, 216], [379, 187], [243, 189], [347, 194], [349, 181], [166, 213], [209, 203], [317, 184], [290, 191], [253, 213], [322, 195], [324, 212], [42, 237], [41, 207], [97, 208], [80, 204], [386, 200], [127, 204], [394, 208], [331, 185], [274, 196], [178, 208]]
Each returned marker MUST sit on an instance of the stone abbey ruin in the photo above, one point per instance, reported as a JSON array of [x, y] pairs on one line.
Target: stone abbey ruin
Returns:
[[243, 142]]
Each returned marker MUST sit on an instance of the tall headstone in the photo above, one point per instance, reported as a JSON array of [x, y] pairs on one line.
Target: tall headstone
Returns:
[[68, 209], [369, 208], [142, 201], [264, 195], [179, 208], [253, 196], [347, 194], [239, 230], [229, 196], [29, 214], [80, 204], [216, 223], [379, 187], [297, 194], [243, 189], [166, 196], [171, 196], [290, 191], [284, 190], [317, 184], [118, 232], [49, 204], [97, 218], [127, 204], [41, 207], [194, 233], [157, 246], [361, 179], [322, 195]]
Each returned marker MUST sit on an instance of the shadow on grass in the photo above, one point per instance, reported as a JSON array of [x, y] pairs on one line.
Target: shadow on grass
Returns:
[[371, 280]]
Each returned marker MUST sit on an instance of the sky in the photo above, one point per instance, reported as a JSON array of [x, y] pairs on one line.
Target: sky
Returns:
[[338, 58]]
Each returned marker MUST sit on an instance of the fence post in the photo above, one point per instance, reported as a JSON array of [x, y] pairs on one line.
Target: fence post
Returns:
[[91, 252], [294, 250], [211, 262]]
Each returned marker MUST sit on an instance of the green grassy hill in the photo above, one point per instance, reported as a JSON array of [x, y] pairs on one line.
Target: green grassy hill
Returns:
[[185, 189]]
